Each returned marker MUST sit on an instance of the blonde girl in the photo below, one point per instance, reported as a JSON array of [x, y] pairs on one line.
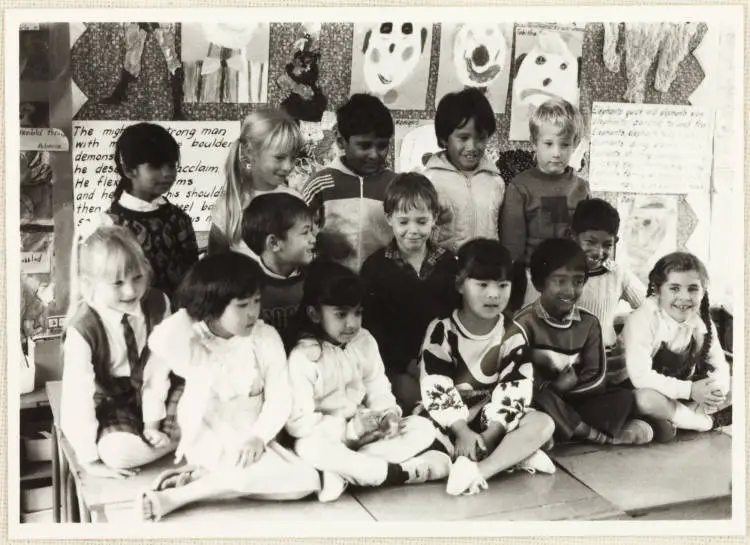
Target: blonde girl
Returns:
[[111, 314], [259, 161], [672, 351]]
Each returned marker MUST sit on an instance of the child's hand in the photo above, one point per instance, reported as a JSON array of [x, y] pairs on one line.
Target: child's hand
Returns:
[[566, 381], [470, 444], [705, 392], [156, 438], [390, 425], [250, 452], [98, 469], [366, 421]]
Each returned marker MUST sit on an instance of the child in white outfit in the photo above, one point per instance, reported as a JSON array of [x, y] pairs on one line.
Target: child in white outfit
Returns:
[[345, 419], [237, 395]]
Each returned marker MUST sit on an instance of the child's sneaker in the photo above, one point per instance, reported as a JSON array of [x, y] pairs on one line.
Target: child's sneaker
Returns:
[[722, 418], [664, 430], [538, 461], [332, 485], [464, 478], [635, 432], [433, 465]]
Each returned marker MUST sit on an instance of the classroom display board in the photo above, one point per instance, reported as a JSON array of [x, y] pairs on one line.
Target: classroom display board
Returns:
[[204, 146]]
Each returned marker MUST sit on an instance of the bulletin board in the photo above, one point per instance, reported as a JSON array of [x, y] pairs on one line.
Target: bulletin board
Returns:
[[601, 54]]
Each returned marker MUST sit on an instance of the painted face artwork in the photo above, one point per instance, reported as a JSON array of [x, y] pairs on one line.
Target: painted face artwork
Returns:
[[550, 69], [411, 228], [341, 324], [238, 319], [681, 295], [479, 54], [391, 53], [149, 182], [598, 247], [484, 299], [562, 288]]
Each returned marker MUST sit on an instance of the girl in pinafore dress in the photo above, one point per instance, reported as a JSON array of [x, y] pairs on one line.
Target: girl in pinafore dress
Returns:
[[672, 351], [237, 395]]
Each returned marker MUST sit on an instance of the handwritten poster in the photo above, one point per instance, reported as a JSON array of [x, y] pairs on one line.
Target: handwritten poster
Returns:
[[650, 148], [204, 146], [36, 250], [414, 144], [43, 139]]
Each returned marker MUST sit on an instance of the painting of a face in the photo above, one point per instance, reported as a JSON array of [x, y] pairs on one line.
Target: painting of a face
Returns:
[[479, 54], [549, 69]]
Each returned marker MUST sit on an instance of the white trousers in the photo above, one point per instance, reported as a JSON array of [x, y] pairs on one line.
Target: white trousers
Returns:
[[367, 466]]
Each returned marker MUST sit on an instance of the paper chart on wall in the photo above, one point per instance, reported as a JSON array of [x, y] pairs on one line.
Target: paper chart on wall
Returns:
[[650, 148], [204, 146], [414, 143]]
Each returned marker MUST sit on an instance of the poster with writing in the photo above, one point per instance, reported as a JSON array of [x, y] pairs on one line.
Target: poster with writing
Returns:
[[392, 61], [650, 148], [546, 64], [43, 139], [414, 144], [204, 146], [36, 250], [475, 55]]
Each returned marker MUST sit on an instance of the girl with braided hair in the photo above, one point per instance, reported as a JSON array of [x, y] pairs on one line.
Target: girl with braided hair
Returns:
[[672, 351]]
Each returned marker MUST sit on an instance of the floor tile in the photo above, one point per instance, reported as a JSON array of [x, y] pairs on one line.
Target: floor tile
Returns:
[[506, 494], [633, 478], [594, 508], [231, 512], [720, 509]]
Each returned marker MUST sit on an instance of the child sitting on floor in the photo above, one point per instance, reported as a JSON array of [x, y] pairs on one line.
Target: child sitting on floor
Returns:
[[672, 351], [237, 395], [345, 419], [112, 311], [408, 283], [278, 231], [478, 395], [594, 227], [564, 342]]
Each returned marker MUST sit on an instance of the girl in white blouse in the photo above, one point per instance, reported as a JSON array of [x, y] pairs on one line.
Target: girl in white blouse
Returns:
[[672, 350], [237, 396]]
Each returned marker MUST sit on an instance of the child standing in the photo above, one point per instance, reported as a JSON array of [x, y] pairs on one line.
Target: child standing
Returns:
[[146, 158], [237, 395], [259, 161], [278, 231], [564, 342], [345, 418], [477, 394], [112, 312], [672, 350], [540, 201], [469, 185], [594, 227], [347, 197], [408, 283]]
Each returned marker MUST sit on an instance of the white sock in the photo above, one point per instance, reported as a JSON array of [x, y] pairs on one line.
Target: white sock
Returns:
[[687, 419]]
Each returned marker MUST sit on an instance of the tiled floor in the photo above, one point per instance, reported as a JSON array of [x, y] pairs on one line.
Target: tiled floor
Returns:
[[686, 479]]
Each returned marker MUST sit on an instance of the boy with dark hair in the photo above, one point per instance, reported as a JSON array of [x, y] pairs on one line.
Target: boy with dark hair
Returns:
[[408, 283], [564, 343], [347, 196], [594, 227], [278, 229], [470, 187]]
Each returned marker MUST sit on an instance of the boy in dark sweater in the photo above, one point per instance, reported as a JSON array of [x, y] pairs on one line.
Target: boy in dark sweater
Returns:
[[408, 283], [278, 229]]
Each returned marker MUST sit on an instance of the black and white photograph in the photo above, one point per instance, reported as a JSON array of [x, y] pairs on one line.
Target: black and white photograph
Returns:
[[420, 272]]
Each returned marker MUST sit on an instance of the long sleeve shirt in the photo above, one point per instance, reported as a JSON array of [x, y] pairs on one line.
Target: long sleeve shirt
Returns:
[[331, 383], [538, 206], [456, 365], [575, 342], [603, 291], [647, 328], [217, 370], [78, 408]]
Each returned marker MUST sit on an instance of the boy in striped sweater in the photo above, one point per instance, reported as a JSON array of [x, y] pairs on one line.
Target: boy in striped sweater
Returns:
[[564, 344], [594, 227]]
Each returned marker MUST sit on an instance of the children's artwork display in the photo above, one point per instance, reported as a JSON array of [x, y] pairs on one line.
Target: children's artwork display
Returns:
[[225, 62], [36, 252], [303, 97], [392, 61], [36, 188], [204, 146], [475, 55], [650, 148], [547, 63], [34, 54], [648, 230], [319, 150], [414, 144]]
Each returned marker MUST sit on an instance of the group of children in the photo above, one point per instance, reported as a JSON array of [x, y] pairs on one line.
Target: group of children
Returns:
[[362, 331]]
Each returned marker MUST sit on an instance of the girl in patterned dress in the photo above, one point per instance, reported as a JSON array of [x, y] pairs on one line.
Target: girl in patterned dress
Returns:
[[111, 314], [237, 396], [477, 393]]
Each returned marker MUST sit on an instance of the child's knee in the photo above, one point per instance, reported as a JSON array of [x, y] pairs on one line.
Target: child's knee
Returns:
[[311, 449], [420, 429], [116, 450], [648, 401], [542, 424]]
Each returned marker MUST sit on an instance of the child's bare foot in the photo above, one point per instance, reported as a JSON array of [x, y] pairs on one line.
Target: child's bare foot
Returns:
[[149, 506], [172, 478], [492, 437]]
